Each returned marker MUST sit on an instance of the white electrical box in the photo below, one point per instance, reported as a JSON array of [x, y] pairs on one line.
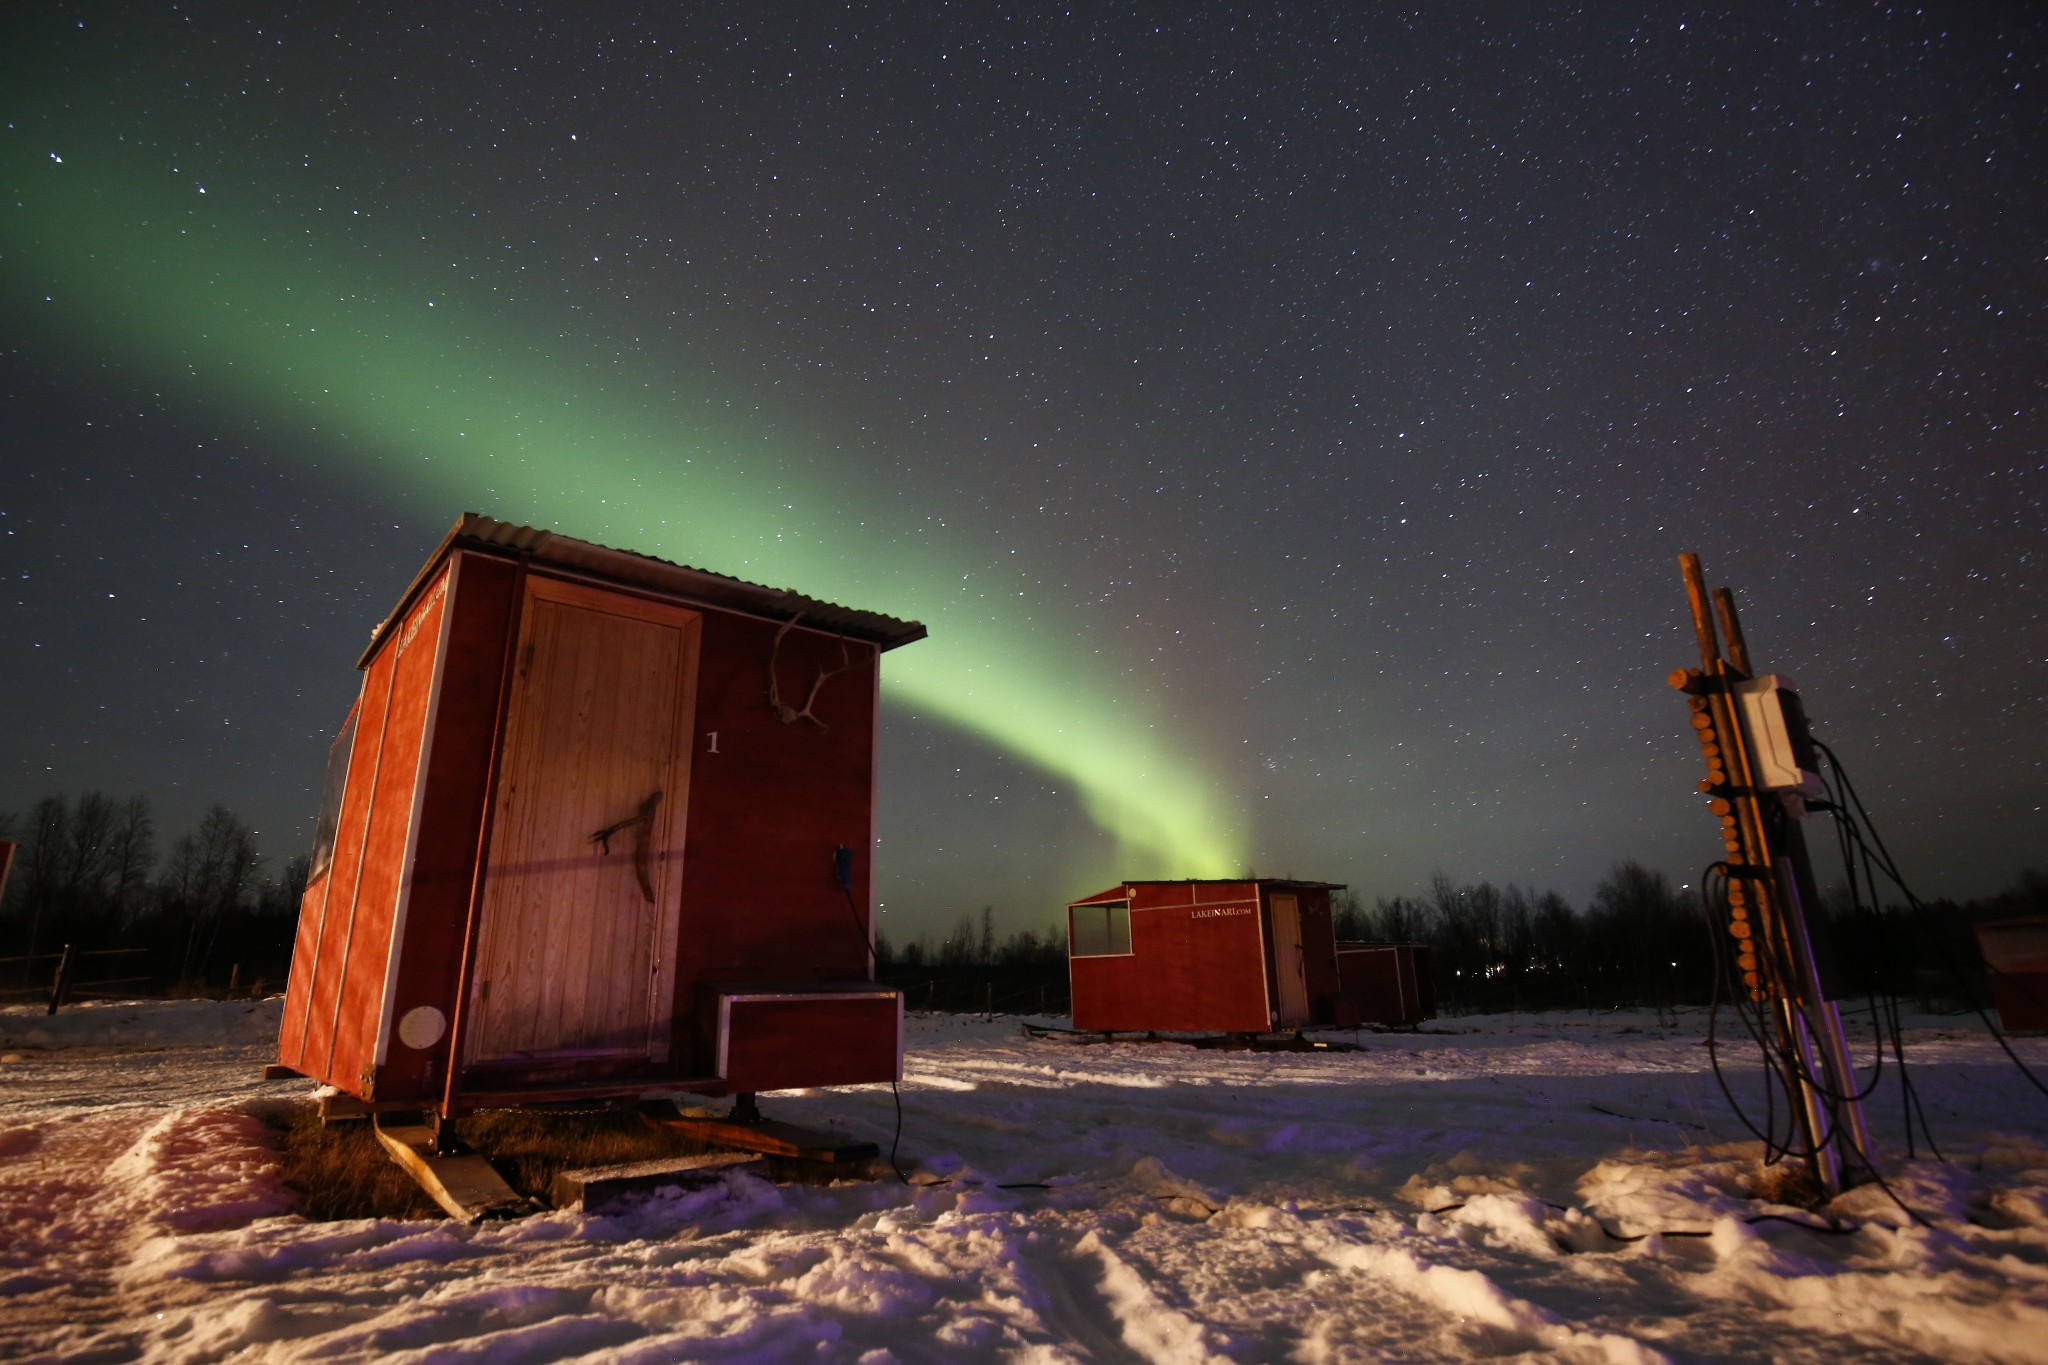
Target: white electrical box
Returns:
[[1780, 747]]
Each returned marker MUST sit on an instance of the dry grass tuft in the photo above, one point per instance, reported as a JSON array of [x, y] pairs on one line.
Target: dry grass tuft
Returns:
[[530, 1147], [1789, 1183], [340, 1171]]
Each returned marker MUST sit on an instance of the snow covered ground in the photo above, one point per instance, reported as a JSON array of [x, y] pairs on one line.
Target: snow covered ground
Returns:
[[1197, 1206]]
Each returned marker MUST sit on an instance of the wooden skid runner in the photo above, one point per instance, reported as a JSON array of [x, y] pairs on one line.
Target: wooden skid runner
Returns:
[[467, 1186], [1225, 1042], [601, 1187], [760, 1135]]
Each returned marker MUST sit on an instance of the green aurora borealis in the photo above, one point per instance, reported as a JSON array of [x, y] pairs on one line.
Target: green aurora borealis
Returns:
[[448, 396]]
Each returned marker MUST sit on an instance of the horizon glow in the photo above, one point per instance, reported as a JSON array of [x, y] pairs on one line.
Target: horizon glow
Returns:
[[442, 400]]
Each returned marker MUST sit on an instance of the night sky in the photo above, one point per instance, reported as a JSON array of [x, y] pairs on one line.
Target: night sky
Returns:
[[1285, 419]]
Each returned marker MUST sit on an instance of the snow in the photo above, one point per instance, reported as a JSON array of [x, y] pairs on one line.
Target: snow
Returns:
[[1457, 1193]]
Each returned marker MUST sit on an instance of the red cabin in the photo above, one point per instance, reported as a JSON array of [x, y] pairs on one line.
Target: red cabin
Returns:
[[1386, 983], [2016, 963], [1194, 956], [598, 826], [1233, 957]]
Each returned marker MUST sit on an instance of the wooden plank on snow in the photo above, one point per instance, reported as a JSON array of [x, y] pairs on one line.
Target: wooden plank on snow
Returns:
[[760, 1135], [467, 1186], [600, 1187]]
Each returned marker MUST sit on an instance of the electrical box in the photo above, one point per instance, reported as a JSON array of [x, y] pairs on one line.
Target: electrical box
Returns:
[[1780, 747]]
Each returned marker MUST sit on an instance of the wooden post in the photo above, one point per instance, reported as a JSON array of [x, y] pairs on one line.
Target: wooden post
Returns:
[[1731, 631], [61, 982], [1702, 620]]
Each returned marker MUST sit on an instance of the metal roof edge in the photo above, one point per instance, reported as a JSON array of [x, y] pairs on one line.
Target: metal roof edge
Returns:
[[1231, 881], [628, 567]]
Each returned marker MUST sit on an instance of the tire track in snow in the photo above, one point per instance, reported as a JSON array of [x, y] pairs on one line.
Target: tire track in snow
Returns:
[[1077, 1309], [1158, 1333], [60, 1246], [1474, 1297]]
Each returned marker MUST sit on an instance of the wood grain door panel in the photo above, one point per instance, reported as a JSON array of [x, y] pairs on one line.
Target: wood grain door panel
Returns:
[[1290, 973], [575, 949]]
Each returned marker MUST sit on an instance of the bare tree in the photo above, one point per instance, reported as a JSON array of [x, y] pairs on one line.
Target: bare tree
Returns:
[[1398, 920], [1635, 908], [88, 853], [209, 876], [131, 856], [1348, 917], [281, 895], [42, 862], [959, 948]]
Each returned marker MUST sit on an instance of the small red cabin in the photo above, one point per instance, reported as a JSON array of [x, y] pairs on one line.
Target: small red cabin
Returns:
[[2016, 963], [598, 825], [1198, 956], [1386, 983], [1233, 957]]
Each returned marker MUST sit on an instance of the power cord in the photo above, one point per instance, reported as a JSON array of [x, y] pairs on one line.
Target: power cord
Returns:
[[842, 873]]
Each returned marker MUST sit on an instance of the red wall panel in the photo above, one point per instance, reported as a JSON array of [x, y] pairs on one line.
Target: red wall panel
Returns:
[[413, 652], [339, 899], [2021, 998], [1197, 964], [778, 1044], [291, 1032], [1388, 983], [767, 809], [451, 819]]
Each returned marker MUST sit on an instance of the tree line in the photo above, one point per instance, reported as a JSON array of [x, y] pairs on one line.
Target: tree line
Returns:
[[971, 968], [210, 913], [1638, 942], [200, 917]]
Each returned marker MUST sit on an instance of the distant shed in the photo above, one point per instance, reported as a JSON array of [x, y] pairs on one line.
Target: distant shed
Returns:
[[2016, 963], [598, 825], [1197, 956], [1386, 983], [1249, 956]]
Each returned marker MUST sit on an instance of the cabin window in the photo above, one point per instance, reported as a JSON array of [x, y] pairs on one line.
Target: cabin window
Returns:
[[329, 818], [1101, 930]]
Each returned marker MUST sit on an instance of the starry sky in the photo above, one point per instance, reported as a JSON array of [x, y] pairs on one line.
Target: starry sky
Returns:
[[1286, 419]]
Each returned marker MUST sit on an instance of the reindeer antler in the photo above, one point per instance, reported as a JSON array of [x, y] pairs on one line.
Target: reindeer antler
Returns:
[[788, 714]]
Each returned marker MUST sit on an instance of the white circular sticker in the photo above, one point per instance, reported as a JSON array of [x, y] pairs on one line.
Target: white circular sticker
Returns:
[[422, 1027]]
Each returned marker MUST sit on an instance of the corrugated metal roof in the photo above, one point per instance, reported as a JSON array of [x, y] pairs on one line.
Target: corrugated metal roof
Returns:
[[478, 532]]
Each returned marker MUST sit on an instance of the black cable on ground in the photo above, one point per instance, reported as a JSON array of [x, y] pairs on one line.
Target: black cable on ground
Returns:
[[896, 1138], [1824, 1229]]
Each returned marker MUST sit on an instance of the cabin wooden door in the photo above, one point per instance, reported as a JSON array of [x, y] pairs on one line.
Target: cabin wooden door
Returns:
[[1290, 973], [577, 930]]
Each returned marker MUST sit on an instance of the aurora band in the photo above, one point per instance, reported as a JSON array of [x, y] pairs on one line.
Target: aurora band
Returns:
[[433, 399]]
